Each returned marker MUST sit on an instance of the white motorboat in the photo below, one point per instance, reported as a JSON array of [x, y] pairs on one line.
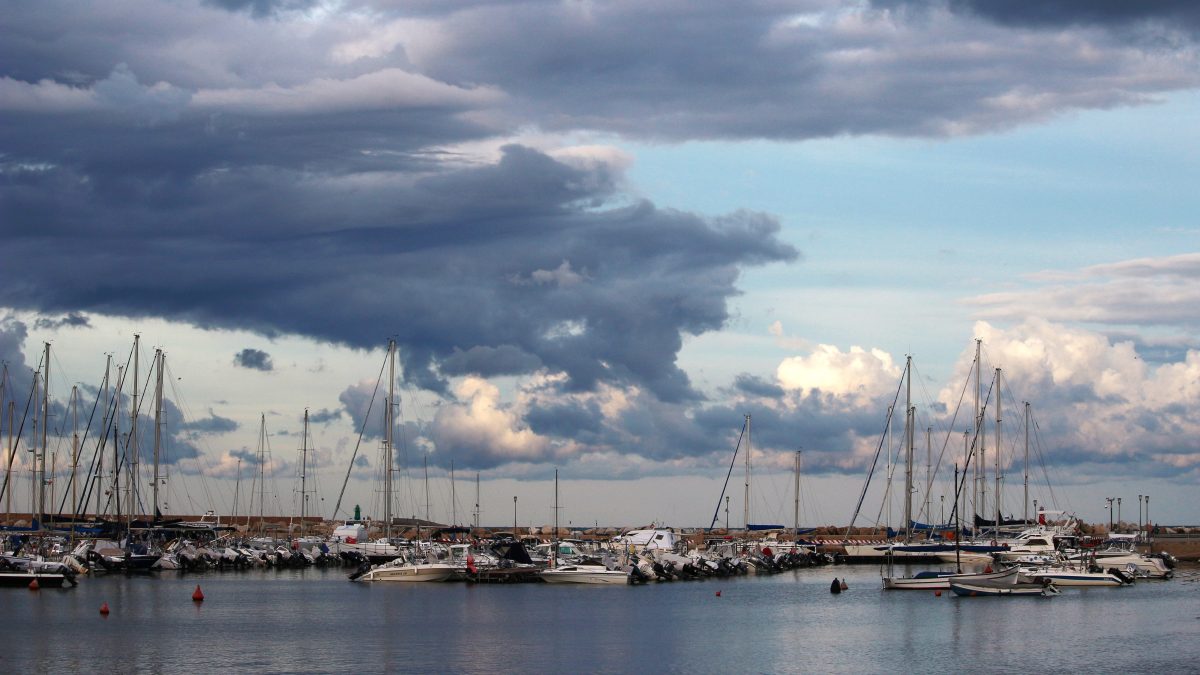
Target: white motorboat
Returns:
[[1118, 552], [405, 570], [1069, 576], [584, 574], [924, 581]]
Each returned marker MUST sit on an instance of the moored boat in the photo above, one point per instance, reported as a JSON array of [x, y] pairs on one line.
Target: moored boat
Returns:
[[940, 580], [986, 588], [584, 574]]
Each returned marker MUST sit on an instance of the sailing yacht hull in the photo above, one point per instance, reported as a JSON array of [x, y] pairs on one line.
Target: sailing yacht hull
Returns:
[[942, 581]]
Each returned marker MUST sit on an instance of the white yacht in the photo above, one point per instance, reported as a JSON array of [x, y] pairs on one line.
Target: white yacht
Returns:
[[584, 574], [401, 569]]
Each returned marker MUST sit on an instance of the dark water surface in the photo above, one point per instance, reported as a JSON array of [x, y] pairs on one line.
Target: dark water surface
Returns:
[[317, 621]]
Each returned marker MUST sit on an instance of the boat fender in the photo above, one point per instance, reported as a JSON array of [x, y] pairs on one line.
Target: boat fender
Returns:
[[843, 585], [836, 586]]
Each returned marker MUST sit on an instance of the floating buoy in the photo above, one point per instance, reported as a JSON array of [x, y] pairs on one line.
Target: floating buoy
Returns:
[[844, 586], [836, 586], [718, 594], [104, 609], [197, 595], [937, 594], [33, 585]]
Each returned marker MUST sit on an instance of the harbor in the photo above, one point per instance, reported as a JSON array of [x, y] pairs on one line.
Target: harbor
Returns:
[[313, 620]]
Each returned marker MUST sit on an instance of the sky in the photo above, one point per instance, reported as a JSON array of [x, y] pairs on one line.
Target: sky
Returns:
[[601, 235]]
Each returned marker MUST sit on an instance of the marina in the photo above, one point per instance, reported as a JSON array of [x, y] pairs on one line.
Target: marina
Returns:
[[312, 620]]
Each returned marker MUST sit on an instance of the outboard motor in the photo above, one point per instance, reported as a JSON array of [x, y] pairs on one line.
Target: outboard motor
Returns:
[[362, 569], [637, 576], [1168, 560], [1125, 577]]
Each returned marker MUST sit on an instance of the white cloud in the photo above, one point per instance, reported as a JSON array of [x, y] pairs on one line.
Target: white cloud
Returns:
[[858, 373], [481, 422]]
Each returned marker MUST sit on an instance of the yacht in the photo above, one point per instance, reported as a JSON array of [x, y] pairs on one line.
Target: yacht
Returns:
[[584, 574]]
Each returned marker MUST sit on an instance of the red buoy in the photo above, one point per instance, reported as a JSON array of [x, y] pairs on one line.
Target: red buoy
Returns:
[[104, 609], [197, 595], [33, 585], [718, 594], [937, 594]]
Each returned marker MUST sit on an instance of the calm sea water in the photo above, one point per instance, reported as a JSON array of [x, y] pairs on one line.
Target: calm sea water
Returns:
[[317, 621]]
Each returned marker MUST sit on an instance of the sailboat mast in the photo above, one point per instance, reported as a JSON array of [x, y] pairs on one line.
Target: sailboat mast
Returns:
[[453, 498], [99, 479], [388, 442], [116, 420], [554, 556], [908, 449], [74, 455], [746, 506], [134, 477], [237, 487], [976, 491], [928, 471], [425, 463], [997, 452], [1025, 512], [476, 500], [262, 468], [796, 506], [12, 409], [159, 359], [45, 436], [33, 463], [960, 496], [304, 474]]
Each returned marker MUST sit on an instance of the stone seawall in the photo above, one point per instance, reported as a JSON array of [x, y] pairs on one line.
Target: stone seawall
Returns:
[[1183, 547]]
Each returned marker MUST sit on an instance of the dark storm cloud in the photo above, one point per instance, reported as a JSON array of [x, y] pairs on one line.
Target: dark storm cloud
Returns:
[[465, 262], [72, 320], [579, 422], [490, 361], [324, 416], [262, 8], [1058, 13], [213, 424], [763, 70], [757, 386], [254, 359], [238, 164]]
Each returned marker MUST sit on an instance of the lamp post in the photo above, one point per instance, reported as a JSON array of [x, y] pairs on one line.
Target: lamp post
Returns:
[[1108, 505], [1118, 511], [1139, 535], [514, 515]]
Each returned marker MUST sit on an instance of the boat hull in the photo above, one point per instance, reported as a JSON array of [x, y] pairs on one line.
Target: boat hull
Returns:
[[409, 573], [936, 581], [600, 576], [982, 589], [23, 579]]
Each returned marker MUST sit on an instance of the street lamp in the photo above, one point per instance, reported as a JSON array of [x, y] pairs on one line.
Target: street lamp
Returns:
[[1109, 501], [1139, 536], [514, 515], [1118, 511]]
